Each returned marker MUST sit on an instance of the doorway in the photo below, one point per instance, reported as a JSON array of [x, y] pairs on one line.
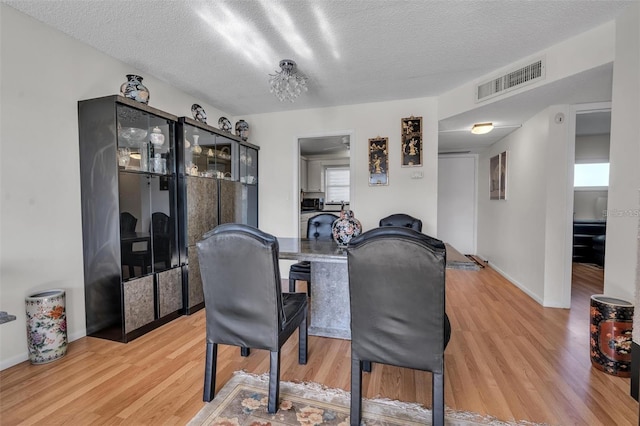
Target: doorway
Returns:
[[457, 201], [590, 194], [324, 175]]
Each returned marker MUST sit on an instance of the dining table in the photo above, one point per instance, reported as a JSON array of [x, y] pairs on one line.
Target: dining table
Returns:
[[329, 308], [329, 305]]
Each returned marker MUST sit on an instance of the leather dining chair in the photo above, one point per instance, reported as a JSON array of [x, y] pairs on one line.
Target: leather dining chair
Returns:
[[401, 219], [244, 303], [318, 228], [397, 298]]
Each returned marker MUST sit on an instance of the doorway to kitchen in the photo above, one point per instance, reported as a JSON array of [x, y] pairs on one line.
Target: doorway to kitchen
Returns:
[[324, 177]]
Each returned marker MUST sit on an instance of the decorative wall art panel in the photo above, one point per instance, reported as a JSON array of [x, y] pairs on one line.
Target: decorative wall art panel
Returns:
[[378, 161], [498, 177], [411, 137]]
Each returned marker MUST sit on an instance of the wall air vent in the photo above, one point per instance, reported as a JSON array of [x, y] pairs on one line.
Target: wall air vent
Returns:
[[512, 80]]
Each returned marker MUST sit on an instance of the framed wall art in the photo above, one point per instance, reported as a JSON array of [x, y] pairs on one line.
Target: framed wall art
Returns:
[[498, 176], [378, 161], [411, 137]]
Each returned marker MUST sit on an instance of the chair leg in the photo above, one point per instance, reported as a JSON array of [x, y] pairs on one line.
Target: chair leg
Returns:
[[245, 351], [366, 366], [210, 371], [437, 409], [274, 382], [292, 285], [302, 341], [309, 288], [356, 392]]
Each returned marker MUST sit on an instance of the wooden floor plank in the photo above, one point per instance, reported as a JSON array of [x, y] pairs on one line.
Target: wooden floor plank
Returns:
[[508, 357]]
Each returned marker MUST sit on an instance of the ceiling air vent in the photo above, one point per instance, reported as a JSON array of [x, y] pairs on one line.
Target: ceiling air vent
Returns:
[[512, 80]]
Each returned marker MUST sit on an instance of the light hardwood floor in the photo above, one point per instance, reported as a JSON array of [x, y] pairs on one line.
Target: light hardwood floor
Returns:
[[508, 357]]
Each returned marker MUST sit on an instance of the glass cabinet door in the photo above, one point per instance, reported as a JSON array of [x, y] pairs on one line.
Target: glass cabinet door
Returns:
[[227, 153], [146, 188], [248, 165], [207, 154], [144, 141], [249, 179]]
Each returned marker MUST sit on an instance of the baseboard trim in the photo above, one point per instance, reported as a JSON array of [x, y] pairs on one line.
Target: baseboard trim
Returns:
[[635, 370], [519, 285], [24, 356]]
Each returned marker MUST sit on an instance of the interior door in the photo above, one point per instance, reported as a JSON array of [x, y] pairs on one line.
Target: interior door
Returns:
[[457, 202]]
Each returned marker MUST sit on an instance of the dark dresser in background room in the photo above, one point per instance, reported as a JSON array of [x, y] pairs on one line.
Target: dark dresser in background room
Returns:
[[589, 241]]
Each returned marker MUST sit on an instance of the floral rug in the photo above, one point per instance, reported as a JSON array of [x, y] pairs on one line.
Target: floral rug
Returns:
[[243, 402]]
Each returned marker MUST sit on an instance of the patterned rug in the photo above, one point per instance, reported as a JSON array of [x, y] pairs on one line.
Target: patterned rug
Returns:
[[242, 401]]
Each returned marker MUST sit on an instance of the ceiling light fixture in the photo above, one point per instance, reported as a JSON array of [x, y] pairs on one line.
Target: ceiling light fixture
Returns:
[[481, 128], [288, 83]]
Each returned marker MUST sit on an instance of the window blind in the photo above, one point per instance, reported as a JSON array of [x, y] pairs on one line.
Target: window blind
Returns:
[[337, 183]]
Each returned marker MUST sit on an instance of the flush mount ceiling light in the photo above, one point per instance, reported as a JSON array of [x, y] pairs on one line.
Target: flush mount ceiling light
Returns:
[[288, 83], [481, 128]]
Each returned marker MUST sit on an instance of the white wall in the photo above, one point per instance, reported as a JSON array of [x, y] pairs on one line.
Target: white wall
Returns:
[[278, 133], [589, 204], [546, 279], [511, 233], [524, 237], [44, 73], [457, 201], [624, 175], [577, 54], [593, 148]]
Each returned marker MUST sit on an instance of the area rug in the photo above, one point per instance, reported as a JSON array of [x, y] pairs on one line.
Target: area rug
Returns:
[[242, 401]]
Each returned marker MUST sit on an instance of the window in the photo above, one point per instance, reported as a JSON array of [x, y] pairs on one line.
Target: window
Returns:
[[337, 181], [591, 175]]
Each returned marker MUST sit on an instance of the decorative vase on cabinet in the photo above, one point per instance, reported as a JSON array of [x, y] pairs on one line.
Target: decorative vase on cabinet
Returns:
[[242, 130], [134, 89], [345, 228]]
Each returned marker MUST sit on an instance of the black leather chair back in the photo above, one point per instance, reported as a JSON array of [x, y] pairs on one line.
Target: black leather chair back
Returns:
[[319, 226], [161, 232], [160, 223], [402, 220], [127, 222], [235, 261], [397, 289]]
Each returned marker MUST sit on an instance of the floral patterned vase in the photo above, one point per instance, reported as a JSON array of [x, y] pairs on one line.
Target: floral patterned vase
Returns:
[[134, 89], [611, 327], [46, 326], [345, 228]]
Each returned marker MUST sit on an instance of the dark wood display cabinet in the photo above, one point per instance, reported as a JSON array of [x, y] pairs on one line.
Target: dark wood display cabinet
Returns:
[[212, 189], [132, 269]]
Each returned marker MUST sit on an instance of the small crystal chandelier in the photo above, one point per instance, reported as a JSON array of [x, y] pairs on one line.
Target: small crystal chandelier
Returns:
[[288, 83]]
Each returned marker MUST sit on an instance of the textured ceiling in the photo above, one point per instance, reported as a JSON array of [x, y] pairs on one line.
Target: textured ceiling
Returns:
[[352, 51]]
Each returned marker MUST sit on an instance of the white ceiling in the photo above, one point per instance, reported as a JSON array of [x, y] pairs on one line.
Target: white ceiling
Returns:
[[352, 51]]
